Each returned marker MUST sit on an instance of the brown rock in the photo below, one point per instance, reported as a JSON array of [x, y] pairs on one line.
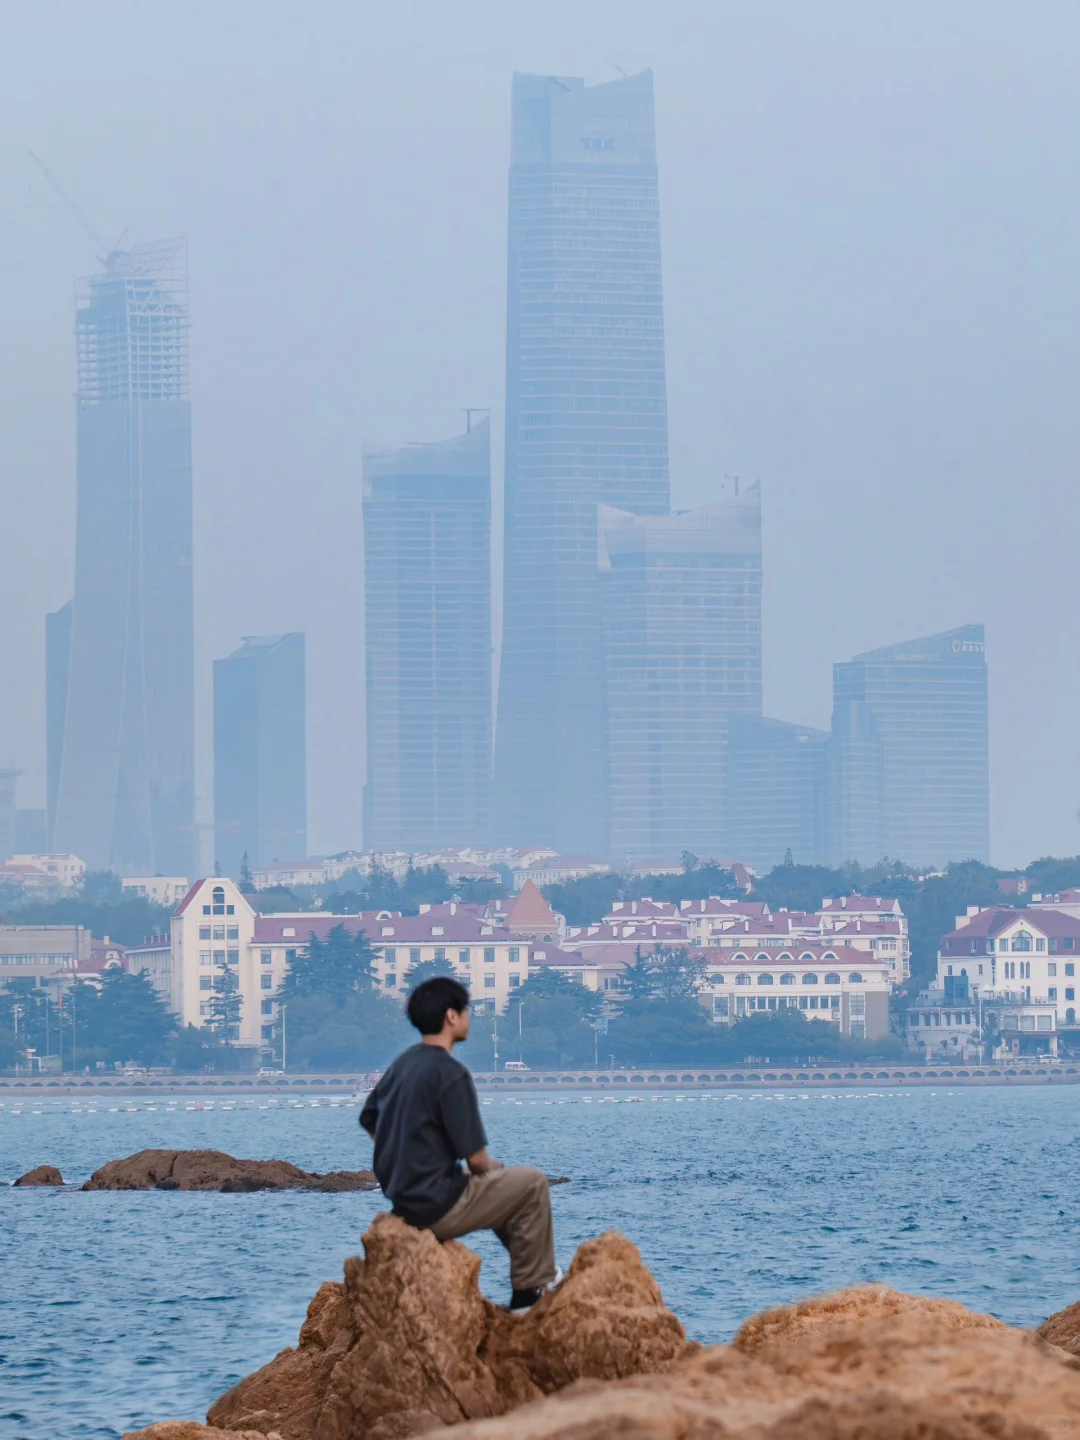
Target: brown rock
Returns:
[[861, 1363], [214, 1170], [1063, 1329], [41, 1175], [192, 1430], [409, 1344]]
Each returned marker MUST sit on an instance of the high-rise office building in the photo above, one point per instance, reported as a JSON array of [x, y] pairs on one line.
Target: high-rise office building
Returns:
[[586, 425], [681, 606], [775, 792], [427, 587], [260, 753], [126, 790], [909, 754], [57, 660], [9, 779]]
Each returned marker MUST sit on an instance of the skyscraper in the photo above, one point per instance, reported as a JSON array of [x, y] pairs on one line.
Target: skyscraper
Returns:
[[427, 579], [682, 653], [776, 792], [586, 425], [260, 753], [909, 753], [126, 791], [57, 661]]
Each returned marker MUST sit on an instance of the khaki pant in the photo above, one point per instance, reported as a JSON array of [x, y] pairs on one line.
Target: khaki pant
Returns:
[[515, 1202]]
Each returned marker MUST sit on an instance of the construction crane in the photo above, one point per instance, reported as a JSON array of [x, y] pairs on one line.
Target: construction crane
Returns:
[[79, 214]]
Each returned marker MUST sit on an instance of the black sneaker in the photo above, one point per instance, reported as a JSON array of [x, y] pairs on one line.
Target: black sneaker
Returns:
[[522, 1301]]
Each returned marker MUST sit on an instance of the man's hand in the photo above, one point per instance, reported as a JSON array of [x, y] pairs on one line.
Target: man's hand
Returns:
[[481, 1163]]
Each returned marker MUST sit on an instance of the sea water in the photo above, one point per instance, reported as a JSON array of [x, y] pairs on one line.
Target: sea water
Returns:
[[120, 1308]]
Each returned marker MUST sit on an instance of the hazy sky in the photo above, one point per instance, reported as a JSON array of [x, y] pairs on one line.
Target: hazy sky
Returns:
[[871, 232]]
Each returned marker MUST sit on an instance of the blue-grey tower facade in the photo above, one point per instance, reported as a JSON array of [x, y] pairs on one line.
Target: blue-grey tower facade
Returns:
[[908, 763], [586, 425], [125, 797], [776, 792], [427, 589], [260, 753], [681, 607], [57, 661]]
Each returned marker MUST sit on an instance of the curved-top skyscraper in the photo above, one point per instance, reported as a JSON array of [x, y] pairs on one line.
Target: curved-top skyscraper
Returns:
[[586, 425]]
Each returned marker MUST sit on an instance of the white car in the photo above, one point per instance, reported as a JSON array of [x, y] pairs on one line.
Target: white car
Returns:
[[515, 1065]]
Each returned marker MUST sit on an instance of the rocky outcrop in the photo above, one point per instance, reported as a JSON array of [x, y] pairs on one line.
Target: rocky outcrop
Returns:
[[408, 1343], [862, 1362], [41, 1175], [214, 1170], [1063, 1329]]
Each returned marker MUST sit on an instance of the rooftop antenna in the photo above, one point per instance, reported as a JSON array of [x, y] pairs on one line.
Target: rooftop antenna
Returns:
[[475, 410], [70, 203]]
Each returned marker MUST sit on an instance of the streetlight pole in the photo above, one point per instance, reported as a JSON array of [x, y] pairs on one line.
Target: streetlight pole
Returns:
[[521, 1007], [284, 1042]]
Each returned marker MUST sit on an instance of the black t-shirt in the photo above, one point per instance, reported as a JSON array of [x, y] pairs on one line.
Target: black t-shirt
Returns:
[[425, 1119]]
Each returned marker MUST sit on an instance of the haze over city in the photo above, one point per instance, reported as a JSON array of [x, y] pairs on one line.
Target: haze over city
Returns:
[[866, 235]]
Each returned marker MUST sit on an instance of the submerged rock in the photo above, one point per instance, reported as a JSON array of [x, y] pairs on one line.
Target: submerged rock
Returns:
[[214, 1170], [41, 1175]]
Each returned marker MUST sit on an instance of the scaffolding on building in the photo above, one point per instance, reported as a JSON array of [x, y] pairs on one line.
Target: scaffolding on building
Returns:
[[131, 326]]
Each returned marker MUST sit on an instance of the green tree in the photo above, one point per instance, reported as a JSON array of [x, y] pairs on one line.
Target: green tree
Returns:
[[427, 970], [226, 1004], [550, 1021], [587, 899], [124, 1018], [337, 966], [363, 1031], [247, 884]]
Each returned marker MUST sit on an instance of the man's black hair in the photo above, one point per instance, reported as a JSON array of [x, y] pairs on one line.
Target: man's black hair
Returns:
[[429, 1002]]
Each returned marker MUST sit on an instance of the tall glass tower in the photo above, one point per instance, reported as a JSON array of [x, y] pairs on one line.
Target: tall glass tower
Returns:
[[427, 588], [260, 753], [909, 772], [586, 425], [125, 797], [681, 606]]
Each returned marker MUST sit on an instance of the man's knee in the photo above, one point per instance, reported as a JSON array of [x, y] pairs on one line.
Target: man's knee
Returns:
[[534, 1181]]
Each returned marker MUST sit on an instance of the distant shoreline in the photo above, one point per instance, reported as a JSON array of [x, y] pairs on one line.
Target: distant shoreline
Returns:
[[563, 1082]]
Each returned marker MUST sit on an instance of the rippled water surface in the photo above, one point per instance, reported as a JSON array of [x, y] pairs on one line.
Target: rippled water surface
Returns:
[[118, 1309]]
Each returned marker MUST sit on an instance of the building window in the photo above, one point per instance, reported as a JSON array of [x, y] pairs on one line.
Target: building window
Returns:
[[515, 981], [855, 979], [267, 1007], [1070, 992], [513, 954], [390, 956], [204, 932], [1021, 942], [489, 982], [1053, 943], [1051, 993], [809, 979], [989, 947], [832, 978], [742, 979], [1070, 1017], [764, 979], [266, 982], [218, 898], [1051, 968], [205, 982], [1070, 942], [414, 957], [234, 957], [1070, 968], [1040, 944], [233, 932], [219, 957], [440, 954], [219, 932], [268, 1032], [205, 958], [391, 982], [463, 957], [266, 957], [290, 957], [787, 979], [204, 1008]]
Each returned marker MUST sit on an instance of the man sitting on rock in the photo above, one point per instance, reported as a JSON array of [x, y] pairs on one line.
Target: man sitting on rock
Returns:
[[424, 1119]]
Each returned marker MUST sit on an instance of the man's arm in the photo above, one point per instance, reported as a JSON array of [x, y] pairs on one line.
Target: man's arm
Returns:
[[369, 1114], [481, 1162]]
